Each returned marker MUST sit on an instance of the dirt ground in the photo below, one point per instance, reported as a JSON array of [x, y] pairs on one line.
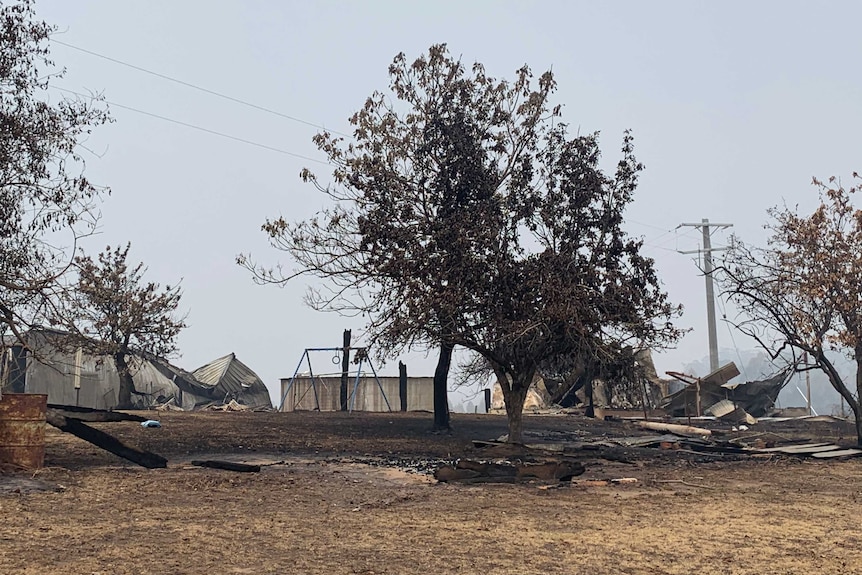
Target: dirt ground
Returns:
[[352, 494]]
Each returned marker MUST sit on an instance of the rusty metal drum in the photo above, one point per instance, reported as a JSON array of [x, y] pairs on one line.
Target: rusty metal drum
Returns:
[[22, 429]]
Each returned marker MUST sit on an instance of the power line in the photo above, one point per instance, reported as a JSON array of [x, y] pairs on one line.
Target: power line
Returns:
[[199, 88], [727, 322], [655, 243], [648, 225], [194, 127]]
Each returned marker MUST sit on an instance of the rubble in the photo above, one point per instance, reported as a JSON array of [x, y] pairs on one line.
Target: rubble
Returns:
[[232, 405], [715, 395]]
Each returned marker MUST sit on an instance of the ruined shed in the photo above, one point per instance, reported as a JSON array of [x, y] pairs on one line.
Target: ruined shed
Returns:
[[48, 364], [230, 378], [710, 394]]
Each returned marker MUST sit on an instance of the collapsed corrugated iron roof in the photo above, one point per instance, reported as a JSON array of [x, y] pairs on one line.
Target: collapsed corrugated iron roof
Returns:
[[52, 360], [754, 397], [229, 378]]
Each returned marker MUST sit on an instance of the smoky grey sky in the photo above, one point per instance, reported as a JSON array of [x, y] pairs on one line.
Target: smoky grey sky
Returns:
[[734, 107]]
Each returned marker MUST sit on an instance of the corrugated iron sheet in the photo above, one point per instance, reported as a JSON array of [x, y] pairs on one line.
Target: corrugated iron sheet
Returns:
[[212, 373], [229, 375]]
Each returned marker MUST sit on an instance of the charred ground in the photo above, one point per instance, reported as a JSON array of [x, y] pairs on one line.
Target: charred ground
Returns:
[[352, 493]]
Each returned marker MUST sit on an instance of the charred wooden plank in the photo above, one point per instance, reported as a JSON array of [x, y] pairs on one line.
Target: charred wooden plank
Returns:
[[469, 471], [449, 473], [106, 441], [487, 469], [227, 465], [92, 415], [550, 470]]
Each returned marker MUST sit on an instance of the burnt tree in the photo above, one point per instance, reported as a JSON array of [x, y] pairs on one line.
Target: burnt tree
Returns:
[[116, 313], [464, 215], [803, 290]]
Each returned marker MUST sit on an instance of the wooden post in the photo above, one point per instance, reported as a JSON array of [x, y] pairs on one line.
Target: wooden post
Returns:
[[487, 400], [644, 398], [698, 406], [402, 385], [807, 383], [345, 368], [588, 392]]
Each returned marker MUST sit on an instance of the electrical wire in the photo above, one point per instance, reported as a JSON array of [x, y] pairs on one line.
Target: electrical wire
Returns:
[[648, 225], [195, 127], [199, 88], [732, 339], [656, 244]]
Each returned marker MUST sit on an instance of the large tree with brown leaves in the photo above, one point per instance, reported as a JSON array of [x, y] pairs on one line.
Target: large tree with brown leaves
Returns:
[[464, 214], [803, 291]]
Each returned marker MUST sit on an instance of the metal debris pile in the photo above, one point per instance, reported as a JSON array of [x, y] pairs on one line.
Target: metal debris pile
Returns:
[[714, 395], [560, 456]]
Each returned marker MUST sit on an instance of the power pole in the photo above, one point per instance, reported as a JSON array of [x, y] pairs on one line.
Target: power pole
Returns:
[[807, 382], [707, 250]]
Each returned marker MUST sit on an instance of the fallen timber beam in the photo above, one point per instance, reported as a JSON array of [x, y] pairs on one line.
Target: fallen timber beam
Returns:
[[92, 415], [675, 428], [469, 471], [105, 441], [227, 465]]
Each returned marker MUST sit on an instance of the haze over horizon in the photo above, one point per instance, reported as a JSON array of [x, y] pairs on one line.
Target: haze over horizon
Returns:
[[734, 107]]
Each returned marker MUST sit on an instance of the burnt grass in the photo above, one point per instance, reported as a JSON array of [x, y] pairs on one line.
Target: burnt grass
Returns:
[[403, 439]]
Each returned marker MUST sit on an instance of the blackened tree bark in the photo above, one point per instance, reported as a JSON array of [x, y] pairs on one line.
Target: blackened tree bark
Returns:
[[588, 395], [127, 383], [441, 390], [515, 386], [857, 407]]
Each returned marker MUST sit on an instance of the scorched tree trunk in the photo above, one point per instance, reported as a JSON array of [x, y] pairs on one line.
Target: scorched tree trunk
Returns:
[[441, 380], [127, 385]]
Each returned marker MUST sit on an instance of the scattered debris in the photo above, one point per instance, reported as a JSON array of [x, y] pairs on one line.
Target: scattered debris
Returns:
[[605, 482], [151, 423], [818, 450], [593, 483], [727, 410], [837, 453], [748, 400], [232, 405], [169, 405]]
